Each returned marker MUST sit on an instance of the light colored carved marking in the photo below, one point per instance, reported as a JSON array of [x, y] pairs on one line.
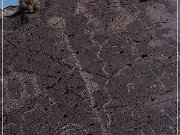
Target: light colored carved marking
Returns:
[[89, 90], [130, 87], [92, 86], [70, 129], [11, 104], [57, 22], [88, 83], [80, 8], [107, 81]]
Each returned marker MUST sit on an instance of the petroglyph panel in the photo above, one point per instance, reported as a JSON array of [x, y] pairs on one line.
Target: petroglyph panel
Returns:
[[91, 67]]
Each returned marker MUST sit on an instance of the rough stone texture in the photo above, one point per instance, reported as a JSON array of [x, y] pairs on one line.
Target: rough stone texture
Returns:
[[91, 67]]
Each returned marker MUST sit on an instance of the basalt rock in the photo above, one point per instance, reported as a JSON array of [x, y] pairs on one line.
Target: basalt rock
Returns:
[[90, 68]]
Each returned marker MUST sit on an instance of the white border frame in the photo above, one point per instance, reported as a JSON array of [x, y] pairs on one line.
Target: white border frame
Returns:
[[177, 69], [2, 77]]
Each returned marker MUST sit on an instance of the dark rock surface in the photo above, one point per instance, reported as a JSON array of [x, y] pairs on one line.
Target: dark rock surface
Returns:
[[91, 67]]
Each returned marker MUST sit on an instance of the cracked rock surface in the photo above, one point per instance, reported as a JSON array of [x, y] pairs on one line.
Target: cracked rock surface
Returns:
[[91, 67]]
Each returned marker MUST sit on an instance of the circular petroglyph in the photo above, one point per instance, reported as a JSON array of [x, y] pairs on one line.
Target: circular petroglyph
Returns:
[[57, 22], [15, 97]]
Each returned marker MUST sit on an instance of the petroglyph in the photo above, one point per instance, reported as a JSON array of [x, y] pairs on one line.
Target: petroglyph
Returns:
[[90, 89], [22, 79], [72, 129], [123, 19], [91, 86], [106, 83], [80, 8], [57, 22], [118, 24]]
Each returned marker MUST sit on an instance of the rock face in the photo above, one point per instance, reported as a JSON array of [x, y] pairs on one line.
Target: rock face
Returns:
[[103, 67]]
